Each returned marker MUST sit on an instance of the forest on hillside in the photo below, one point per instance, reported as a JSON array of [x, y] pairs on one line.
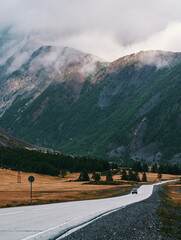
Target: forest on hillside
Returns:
[[47, 163]]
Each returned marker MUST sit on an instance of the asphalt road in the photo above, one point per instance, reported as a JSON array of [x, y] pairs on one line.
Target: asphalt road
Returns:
[[138, 221], [51, 220]]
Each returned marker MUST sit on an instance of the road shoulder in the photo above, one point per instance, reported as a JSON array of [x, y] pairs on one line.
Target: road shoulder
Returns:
[[136, 221]]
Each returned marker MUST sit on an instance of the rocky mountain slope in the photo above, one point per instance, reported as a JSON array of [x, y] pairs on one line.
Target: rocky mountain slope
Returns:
[[7, 140], [67, 100], [27, 74]]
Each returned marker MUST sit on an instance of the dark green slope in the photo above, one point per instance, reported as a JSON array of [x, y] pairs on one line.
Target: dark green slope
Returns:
[[127, 108]]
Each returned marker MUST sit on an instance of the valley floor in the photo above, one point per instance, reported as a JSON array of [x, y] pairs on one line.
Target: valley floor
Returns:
[[48, 189]]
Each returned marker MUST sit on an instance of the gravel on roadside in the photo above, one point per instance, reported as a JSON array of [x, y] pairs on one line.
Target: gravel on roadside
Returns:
[[138, 221]]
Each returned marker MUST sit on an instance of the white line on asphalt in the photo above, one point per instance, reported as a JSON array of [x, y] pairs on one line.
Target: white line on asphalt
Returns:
[[41, 209], [74, 229], [47, 230], [4, 214]]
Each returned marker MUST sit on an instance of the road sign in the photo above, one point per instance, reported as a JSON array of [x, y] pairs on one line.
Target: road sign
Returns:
[[31, 179]]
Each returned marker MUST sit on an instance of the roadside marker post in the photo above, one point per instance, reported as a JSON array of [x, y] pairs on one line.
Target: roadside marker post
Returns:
[[31, 179], [19, 177]]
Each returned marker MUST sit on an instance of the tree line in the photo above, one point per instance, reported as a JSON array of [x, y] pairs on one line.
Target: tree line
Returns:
[[133, 176], [174, 169], [167, 168], [48, 163]]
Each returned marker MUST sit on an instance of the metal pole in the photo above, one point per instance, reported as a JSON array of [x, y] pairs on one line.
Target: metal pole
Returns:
[[19, 177], [31, 179], [31, 192]]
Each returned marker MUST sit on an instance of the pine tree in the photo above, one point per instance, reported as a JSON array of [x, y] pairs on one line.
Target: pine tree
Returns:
[[124, 175], [159, 176], [63, 173], [96, 176], [154, 168], [136, 177], [84, 176], [145, 167], [130, 175], [144, 177], [109, 176]]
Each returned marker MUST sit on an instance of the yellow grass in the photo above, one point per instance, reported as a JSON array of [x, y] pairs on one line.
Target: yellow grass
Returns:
[[174, 192], [50, 189], [152, 177]]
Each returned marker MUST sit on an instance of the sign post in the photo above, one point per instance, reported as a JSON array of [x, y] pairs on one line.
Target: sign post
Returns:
[[31, 179]]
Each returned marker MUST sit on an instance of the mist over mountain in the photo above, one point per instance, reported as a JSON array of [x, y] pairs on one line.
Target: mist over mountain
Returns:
[[32, 68], [125, 27], [64, 99]]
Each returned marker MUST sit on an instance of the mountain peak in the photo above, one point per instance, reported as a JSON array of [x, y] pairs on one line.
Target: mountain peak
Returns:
[[156, 58], [29, 72]]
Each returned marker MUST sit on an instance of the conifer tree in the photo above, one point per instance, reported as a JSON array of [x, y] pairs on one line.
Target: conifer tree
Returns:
[[124, 175], [159, 176], [109, 176], [144, 177], [136, 177], [96, 176], [84, 176], [130, 175]]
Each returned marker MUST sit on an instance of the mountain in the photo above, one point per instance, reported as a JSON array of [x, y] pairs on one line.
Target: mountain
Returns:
[[71, 101], [7, 140], [32, 68]]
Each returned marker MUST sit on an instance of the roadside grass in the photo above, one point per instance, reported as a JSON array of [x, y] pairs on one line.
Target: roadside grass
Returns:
[[170, 210], [49, 189], [76, 196]]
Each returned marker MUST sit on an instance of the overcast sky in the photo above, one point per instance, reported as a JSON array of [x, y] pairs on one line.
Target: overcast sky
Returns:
[[106, 28]]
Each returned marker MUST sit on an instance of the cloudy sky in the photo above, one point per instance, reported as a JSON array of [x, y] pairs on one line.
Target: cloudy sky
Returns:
[[107, 28]]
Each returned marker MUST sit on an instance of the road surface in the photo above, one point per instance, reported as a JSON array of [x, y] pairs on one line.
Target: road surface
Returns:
[[52, 220]]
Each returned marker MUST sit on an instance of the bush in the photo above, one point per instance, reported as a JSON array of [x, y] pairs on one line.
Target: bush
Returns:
[[109, 176], [63, 173], [159, 176], [96, 176], [133, 176], [83, 176]]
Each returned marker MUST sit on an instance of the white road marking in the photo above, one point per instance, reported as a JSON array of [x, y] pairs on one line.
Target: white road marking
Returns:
[[75, 214], [41, 209], [47, 230], [87, 223], [4, 214]]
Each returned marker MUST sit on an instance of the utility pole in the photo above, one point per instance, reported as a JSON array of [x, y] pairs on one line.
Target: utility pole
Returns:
[[19, 177]]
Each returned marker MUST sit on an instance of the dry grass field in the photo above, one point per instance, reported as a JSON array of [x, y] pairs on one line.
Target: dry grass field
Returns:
[[174, 192], [47, 189], [170, 210]]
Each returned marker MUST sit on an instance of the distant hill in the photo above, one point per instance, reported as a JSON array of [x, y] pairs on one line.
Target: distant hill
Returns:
[[80, 105], [6, 140]]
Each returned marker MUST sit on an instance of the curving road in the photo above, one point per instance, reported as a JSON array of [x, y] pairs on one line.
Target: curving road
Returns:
[[52, 220]]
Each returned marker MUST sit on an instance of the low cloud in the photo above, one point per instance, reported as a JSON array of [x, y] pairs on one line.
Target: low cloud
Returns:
[[106, 28]]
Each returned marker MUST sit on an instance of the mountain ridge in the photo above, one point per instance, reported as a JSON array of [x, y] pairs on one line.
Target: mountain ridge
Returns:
[[113, 112], [43, 68]]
